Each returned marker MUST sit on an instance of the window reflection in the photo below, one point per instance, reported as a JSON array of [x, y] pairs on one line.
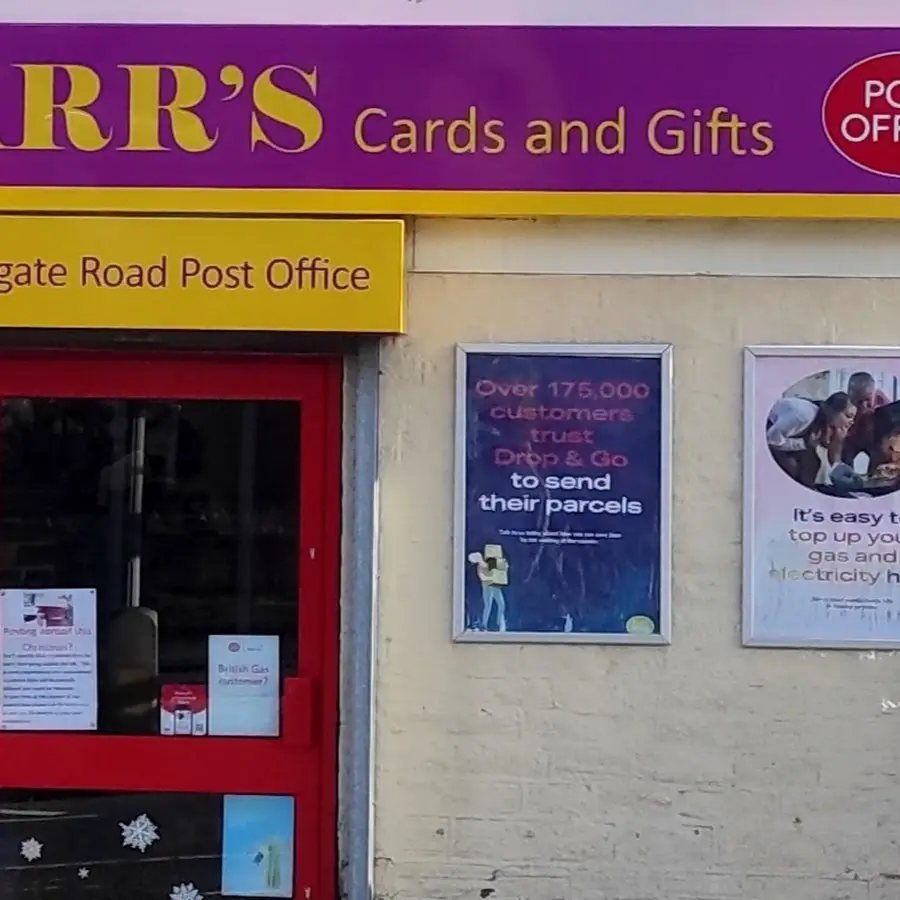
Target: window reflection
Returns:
[[183, 515]]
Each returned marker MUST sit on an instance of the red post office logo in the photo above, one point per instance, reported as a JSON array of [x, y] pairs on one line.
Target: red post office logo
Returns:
[[861, 114]]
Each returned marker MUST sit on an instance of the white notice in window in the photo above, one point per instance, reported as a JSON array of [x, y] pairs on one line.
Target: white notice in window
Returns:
[[48, 675], [243, 685]]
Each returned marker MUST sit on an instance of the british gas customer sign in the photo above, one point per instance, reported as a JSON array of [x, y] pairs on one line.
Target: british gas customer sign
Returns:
[[447, 120], [217, 274]]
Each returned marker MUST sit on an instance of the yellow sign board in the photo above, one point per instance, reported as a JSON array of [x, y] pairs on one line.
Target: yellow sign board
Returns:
[[190, 273]]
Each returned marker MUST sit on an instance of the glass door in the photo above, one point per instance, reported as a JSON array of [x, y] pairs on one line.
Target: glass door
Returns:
[[168, 621]]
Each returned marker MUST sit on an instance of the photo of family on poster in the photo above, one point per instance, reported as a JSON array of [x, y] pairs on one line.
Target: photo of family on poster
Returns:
[[837, 432]]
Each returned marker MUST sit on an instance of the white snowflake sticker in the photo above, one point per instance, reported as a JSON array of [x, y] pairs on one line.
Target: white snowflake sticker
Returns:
[[185, 892], [32, 849], [83, 873], [139, 833]]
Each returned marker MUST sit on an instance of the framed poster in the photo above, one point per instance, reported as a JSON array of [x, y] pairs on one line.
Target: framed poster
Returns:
[[258, 846], [244, 691], [562, 509], [48, 672], [822, 497]]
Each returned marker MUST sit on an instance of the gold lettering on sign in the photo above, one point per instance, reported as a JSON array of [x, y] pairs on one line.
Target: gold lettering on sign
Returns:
[[40, 118], [166, 107], [274, 102], [146, 109]]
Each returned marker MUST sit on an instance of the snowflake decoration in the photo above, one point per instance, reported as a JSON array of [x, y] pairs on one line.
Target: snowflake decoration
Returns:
[[32, 849], [185, 892], [83, 873], [139, 833]]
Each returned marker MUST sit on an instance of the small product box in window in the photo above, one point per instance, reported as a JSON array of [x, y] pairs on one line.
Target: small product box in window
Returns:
[[182, 710]]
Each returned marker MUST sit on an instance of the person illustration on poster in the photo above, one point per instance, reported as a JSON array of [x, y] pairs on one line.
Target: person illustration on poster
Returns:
[[884, 450], [806, 438], [492, 570], [270, 854], [867, 398], [846, 444]]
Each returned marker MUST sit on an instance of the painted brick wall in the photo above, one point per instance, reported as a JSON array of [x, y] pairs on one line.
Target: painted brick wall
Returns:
[[695, 772]]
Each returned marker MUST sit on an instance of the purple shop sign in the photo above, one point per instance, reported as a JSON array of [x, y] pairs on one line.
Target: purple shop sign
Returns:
[[682, 110]]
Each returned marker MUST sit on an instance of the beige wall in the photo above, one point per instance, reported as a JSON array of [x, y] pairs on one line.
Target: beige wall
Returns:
[[701, 770]]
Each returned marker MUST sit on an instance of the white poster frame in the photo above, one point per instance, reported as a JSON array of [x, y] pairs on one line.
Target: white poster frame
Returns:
[[753, 353]]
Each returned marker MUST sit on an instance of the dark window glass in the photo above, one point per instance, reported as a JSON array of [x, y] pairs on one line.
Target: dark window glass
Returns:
[[142, 846], [183, 515]]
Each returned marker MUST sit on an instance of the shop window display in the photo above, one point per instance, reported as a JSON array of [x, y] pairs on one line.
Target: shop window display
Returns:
[[182, 518]]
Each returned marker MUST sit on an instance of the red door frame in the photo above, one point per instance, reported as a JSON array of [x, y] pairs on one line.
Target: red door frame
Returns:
[[303, 761]]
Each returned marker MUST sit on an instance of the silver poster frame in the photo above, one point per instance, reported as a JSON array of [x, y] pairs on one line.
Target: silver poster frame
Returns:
[[750, 446], [663, 352]]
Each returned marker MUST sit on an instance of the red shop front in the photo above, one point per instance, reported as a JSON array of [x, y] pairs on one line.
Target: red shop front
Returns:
[[170, 527]]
